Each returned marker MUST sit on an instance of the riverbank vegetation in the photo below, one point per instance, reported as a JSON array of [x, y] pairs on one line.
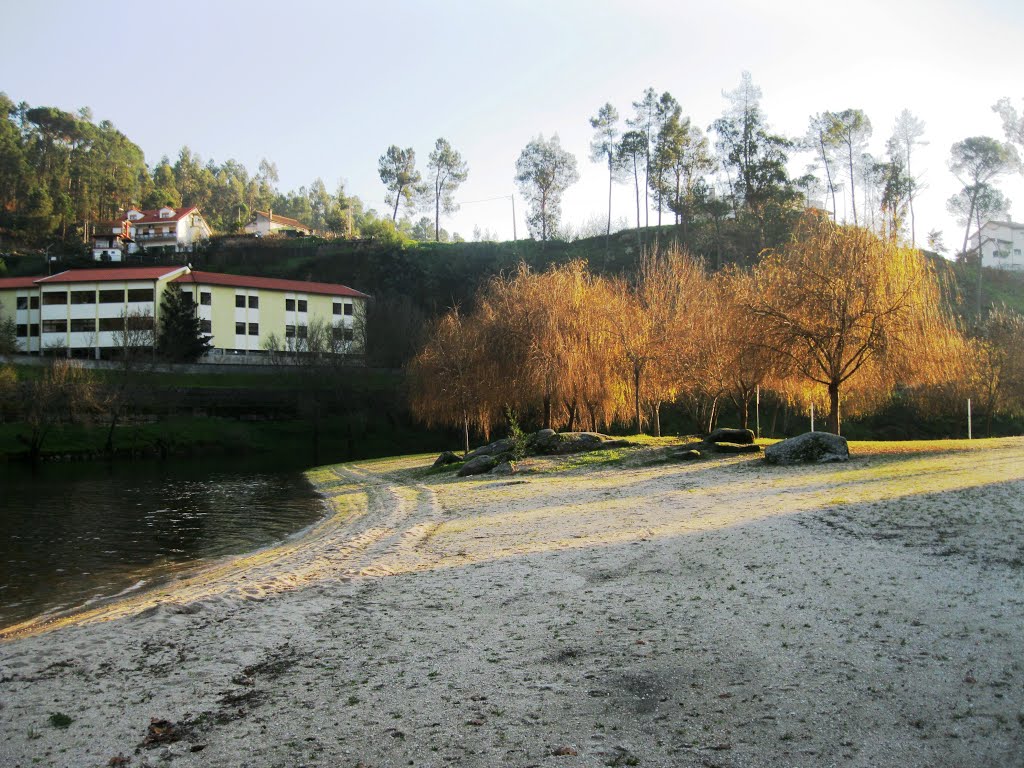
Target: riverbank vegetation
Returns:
[[839, 320]]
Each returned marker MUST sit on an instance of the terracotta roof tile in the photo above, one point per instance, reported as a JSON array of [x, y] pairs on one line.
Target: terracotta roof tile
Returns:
[[275, 219], [153, 216], [269, 283], [7, 283], [107, 274]]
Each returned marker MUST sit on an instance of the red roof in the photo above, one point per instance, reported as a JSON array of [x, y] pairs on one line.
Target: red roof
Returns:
[[269, 283], [275, 219], [105, 275], [17, 282], [153, 216]]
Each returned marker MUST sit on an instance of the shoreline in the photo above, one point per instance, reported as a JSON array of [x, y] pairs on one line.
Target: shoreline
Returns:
[[725, 611]]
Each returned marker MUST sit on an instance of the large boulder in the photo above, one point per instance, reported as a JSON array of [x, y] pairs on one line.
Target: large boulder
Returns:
[[723, 447], [448, 457], [541, 440], [683, 454], [808, 448], [738, 436], [492, 449], [578, 442], [477, 466]]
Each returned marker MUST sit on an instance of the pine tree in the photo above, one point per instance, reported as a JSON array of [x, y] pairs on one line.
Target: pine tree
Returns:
[[181, 338]]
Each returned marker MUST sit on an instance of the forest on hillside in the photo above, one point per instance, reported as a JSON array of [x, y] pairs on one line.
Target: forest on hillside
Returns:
[[728, 192]]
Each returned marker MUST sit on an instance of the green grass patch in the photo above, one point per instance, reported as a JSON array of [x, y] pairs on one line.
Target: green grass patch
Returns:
[[60, 720]]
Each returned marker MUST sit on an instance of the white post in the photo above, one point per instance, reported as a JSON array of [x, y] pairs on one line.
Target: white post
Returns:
[[969, 419], [757, 410], [812, 417]]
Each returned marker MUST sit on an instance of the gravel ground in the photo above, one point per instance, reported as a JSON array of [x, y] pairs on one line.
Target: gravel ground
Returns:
[[724, 613]]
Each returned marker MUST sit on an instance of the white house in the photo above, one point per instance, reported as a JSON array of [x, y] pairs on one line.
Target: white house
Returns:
[[1002, 243], [269, 223], [164, 229]]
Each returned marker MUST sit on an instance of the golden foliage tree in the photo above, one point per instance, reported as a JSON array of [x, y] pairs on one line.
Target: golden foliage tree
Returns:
[[655, 323], [998, 356], [447, 381], [850, 312]]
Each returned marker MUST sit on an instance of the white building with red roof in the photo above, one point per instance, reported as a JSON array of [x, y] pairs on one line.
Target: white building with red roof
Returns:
[[269, 223], [160, 230], [82, 312]]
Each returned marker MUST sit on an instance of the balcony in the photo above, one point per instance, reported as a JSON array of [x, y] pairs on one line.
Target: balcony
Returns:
[[147, 237]]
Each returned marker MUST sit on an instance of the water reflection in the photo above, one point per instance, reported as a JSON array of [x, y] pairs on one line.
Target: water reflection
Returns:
[[74, 533]]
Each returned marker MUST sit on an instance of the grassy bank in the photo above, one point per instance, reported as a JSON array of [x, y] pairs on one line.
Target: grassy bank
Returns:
[[291, 440]]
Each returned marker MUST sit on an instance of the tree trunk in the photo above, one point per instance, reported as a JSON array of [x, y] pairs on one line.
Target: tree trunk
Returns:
[[571, 410], [465, 433], [437, 217], [547, 412], [636, 186], [980, 260], [853, 187], [636, 400], [656, 419], [744, 410], [109, 447], [833, 408], [608, 229]]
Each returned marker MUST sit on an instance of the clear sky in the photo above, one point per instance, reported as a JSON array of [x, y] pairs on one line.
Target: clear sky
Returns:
[[322, 88]]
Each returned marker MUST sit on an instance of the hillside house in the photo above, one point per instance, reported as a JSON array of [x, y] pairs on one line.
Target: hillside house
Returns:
[[269, 223], [1002, 243], [161, 230]]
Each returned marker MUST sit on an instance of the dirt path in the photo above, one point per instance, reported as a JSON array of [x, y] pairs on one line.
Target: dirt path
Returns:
[[720, 614]]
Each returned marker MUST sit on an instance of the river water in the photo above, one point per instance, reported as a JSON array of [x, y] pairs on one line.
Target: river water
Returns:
[[73, 534]]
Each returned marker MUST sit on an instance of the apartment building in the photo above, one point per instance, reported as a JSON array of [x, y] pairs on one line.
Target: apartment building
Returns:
[[81, 312]]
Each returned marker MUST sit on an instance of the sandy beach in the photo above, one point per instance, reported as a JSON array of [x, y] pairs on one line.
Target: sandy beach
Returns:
[[720, 613]]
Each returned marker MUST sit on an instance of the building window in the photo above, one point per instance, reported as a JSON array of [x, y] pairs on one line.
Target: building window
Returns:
[[254, 329], [33, 302], [186, 297], [21, 331], [205, 326], [254, 302], [83, 297], [205, 298], [348, 310], [289, 331], [302, 305], [33, 330], [112, 296], [239, 329], [300, 331], [140, 294], [55, 326], [83, 326], [240, 301], [55, 297], [108, 324], [289, 305], [337, 309], [21, 302]]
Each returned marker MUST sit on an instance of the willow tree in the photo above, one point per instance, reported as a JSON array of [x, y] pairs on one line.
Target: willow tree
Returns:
[[745, 363], [653, 322], [445, 380], [544, 332], [848, 309]]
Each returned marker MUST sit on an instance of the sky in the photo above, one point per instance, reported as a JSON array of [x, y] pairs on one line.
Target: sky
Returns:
[[323, 88]]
